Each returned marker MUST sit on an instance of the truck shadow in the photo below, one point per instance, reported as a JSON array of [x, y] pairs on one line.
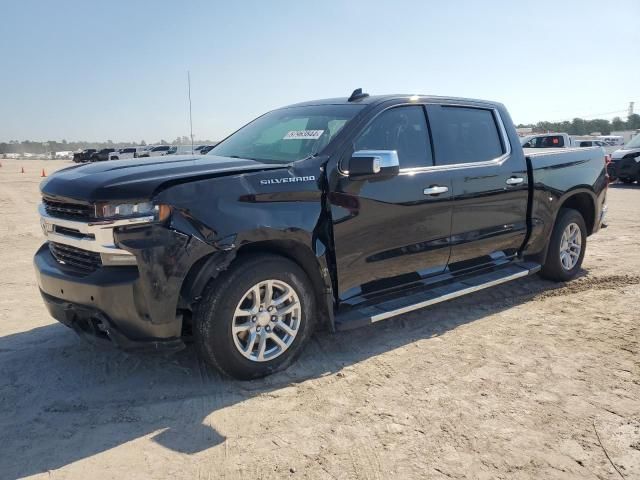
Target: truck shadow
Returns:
[[62, 400]]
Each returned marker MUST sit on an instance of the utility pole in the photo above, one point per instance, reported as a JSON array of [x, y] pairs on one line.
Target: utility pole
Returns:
[[630, 109], [190, 117]]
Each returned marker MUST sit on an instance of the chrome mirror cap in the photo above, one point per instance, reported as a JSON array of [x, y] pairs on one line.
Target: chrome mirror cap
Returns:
[[381, 158]]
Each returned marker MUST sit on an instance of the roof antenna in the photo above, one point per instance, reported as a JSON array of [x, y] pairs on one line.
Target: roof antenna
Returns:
[[357, 95], [190, 117]]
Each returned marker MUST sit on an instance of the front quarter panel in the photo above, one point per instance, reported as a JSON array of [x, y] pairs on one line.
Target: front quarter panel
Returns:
[[228, 212], [214, 218]]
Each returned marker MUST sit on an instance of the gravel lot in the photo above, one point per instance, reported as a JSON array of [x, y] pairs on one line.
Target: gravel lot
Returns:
[[529, 380]]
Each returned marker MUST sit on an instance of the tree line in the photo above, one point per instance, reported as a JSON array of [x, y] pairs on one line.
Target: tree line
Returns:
[[577, 126], [580, 126], [28, 146]]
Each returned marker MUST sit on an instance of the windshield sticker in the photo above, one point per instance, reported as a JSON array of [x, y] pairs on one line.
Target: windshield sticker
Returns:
[[303, 135]]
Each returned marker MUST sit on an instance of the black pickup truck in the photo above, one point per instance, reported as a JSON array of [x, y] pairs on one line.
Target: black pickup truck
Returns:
[[334, 213], [84, 156]]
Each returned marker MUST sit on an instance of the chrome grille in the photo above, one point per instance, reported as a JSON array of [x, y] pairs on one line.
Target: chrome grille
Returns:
[[82, 260], [72, 211]]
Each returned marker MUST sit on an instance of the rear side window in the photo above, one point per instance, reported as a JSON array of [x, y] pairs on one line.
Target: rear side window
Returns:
[[403, 129], [465, 135], [548, 141]]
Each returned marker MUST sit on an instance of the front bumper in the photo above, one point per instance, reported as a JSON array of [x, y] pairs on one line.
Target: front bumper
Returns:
[[107, 304], [626, 167]]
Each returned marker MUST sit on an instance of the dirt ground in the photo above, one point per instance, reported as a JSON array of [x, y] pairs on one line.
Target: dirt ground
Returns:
[[528, 380]]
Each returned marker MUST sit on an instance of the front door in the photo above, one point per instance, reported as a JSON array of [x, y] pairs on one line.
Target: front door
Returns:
[[390, 231]]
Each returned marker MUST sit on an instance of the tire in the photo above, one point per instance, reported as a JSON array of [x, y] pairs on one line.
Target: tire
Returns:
[[115, 158], [626, 180], [554, 268], [232, 292]]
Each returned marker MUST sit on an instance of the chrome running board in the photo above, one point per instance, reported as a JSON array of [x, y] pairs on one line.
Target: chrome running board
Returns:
[[426, 297]]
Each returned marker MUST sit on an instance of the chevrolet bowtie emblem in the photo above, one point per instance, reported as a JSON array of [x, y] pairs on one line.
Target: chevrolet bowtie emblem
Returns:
[[46, 226]]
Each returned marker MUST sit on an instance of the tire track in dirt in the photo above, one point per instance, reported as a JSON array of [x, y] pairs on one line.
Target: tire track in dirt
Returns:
[[584, 284]]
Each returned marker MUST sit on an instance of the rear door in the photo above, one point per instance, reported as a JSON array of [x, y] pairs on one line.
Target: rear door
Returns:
[[389, 231], [489, 180]]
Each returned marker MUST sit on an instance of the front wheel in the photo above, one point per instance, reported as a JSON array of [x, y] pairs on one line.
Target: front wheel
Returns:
[[256, 317], [566, 247]]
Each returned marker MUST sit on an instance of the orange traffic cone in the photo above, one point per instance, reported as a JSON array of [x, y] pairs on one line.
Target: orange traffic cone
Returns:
[[21, 169], [43, 174]]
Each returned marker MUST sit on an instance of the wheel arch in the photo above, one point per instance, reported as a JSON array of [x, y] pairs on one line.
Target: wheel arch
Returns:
[[583, 201], [210, 267], [314, 265]]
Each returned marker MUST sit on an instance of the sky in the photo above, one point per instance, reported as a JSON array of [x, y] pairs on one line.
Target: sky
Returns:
[[117, 70]]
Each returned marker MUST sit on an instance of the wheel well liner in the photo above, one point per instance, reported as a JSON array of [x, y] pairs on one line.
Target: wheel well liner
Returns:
[[583, 203], [209, 268], [306, 259]]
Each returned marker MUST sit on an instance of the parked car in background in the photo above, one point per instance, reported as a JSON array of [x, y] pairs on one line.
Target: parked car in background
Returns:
[[156, 151], [127, 152], [143, 152], [101, 155], [613, 140], [625, 162], [182, 150], [206, 149], [547, 140], [84, 155], [591, 142], [64, 154]]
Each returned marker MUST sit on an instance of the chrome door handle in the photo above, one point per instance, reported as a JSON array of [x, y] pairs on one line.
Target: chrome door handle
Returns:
[[515, 180], [435, 190]]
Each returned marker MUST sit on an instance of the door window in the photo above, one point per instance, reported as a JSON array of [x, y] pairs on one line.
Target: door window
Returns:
[[548, 141], [403, 129], [465, 135]]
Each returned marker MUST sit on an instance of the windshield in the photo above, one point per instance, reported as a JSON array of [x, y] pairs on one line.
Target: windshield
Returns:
[[634, 143], [287, 134]]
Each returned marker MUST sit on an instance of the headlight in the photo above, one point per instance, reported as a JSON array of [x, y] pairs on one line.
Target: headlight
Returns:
[[160, 212]]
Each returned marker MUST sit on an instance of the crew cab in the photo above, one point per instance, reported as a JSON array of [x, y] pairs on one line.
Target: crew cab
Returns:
[[329, 214], [625, 162]]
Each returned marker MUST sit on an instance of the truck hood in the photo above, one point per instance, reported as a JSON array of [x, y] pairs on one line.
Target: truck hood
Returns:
[[623, 152], [141, 178]]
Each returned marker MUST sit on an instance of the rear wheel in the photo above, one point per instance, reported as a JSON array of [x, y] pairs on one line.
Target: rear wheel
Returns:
[[255, 319], [566, 247], [626, 180]]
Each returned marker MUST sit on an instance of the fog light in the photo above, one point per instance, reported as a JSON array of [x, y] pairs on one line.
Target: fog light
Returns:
[[114, 259]]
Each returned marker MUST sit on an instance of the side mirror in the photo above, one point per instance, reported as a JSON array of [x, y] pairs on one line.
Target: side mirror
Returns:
[[373, 163]]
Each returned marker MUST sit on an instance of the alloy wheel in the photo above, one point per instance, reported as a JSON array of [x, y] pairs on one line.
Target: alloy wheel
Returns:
[[266, 320], [570, 246]]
